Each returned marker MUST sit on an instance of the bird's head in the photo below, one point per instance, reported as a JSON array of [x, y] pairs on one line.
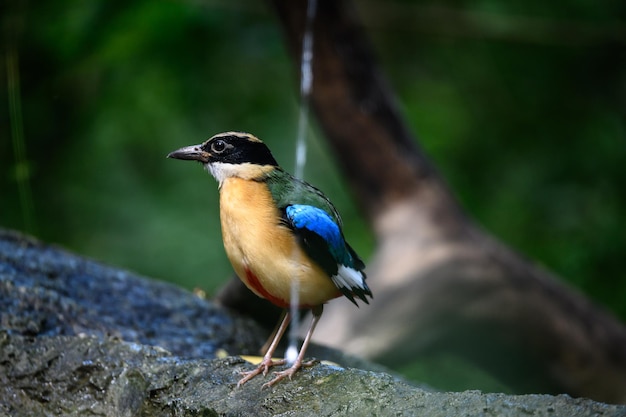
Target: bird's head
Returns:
[[230, 154]]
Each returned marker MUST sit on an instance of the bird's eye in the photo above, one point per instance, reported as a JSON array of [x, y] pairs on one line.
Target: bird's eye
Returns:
[[218, 146]]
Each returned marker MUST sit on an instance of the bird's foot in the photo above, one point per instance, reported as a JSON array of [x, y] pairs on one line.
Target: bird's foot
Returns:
[[288, 373], [262, 368]]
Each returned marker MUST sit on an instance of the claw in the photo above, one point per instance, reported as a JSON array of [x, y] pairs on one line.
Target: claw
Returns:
[[262, 368], [280, 375], [268, 362]]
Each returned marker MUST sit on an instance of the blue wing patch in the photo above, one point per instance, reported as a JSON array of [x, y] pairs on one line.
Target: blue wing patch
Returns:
[[319, 222], [321, 238]]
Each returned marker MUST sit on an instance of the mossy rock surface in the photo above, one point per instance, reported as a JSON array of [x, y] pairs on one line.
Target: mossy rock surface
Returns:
[[80, 338]]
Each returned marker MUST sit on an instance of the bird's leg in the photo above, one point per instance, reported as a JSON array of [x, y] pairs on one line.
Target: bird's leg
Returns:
[[272, 336], [299, 362], [267, 361]]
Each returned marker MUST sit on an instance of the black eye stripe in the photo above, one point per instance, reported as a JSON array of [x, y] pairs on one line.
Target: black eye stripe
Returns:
[[236, 149]]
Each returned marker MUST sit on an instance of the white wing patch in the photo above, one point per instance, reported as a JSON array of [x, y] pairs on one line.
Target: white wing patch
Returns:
[[347, 277]]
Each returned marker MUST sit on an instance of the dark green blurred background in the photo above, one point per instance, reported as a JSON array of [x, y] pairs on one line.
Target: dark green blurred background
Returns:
[[520, 104]]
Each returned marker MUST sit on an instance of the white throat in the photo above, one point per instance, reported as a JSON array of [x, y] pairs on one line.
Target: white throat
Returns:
[[221, 171]]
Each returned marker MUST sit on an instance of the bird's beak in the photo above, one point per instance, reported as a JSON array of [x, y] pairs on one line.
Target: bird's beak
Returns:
[[191, 153]]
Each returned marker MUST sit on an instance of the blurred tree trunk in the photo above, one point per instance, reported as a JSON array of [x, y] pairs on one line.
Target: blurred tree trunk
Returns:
[[440, 282]]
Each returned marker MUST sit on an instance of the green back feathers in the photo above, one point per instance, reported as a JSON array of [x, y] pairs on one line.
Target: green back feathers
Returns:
[[287, 190], [323, 243]]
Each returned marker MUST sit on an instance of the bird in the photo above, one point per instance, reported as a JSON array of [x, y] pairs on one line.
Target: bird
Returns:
[[278, 231]]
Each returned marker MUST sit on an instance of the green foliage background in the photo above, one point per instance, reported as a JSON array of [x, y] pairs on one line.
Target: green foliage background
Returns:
[[520, 104]]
